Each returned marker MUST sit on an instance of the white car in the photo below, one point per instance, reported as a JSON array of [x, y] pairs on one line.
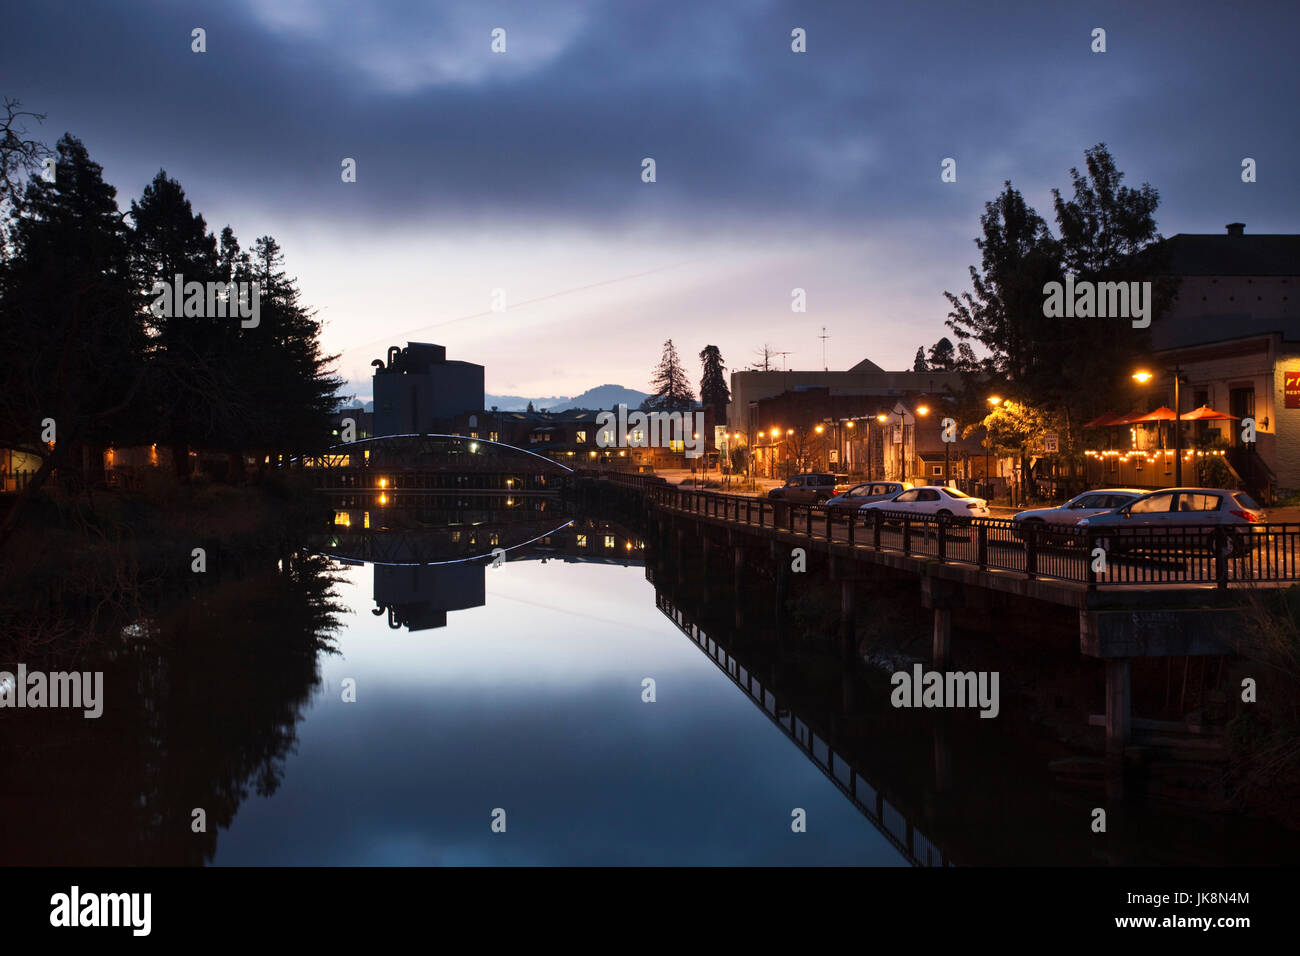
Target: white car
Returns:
[[932, 500]]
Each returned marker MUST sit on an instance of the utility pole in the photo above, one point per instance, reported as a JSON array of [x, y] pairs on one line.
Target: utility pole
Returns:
[[824, 337]]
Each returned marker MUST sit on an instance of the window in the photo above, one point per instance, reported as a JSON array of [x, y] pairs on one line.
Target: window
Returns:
[[473, 434], [580, 438], [493, 436], [908, 496], [938, 470], [927, 494], [609, 541], [609, 438], [1156, 504], [582, 540], [954, 493], [1195, 502]]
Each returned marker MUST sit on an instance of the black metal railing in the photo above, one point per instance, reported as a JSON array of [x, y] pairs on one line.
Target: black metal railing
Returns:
[[1186, 555]]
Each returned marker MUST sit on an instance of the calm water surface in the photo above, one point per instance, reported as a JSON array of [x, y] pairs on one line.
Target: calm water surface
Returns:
[[532, 703]]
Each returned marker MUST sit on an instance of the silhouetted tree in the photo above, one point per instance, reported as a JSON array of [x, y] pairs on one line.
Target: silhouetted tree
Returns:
[[672, 390], [714, 392], [943, 357], [74, 342], [918, 363]]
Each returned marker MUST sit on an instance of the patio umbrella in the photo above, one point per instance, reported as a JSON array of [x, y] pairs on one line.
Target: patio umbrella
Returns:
[[1161, 414], [1206, 414]]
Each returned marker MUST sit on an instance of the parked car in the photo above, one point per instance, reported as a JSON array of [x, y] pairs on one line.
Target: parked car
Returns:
[[935, 500], [859, 495], [1174, 514], [1080, 506], [812, 488]]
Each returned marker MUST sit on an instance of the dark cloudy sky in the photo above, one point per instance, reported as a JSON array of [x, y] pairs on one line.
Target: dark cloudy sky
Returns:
[[522, 170]]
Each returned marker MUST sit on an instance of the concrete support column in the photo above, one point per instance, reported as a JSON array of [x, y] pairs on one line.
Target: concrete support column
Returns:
[[1119, 704], [941, 653]]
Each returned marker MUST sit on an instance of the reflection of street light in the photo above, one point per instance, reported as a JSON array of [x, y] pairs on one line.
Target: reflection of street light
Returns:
[[1142, 376]]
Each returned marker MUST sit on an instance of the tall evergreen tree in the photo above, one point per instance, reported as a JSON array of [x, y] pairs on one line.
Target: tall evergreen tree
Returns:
[[918, 363], [192, 361], [943, 356], [73, 338], [713, 385], [288, 375], [672, 390]]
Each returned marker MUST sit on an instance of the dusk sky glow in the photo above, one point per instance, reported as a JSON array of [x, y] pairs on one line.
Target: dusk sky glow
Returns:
[[521, 170]]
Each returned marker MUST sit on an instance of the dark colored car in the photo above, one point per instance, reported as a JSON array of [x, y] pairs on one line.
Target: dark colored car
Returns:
[[812, 488]]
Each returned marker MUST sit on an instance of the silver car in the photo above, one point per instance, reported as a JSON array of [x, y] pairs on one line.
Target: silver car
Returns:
[[1180, 516], [859, 495], [1080, 506]]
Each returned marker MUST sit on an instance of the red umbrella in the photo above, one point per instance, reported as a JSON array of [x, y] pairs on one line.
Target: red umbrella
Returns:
[[1206, 414], [1161, 414]]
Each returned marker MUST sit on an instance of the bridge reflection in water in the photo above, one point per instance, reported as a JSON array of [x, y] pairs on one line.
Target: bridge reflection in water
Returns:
[[906, 837], [431, 554]]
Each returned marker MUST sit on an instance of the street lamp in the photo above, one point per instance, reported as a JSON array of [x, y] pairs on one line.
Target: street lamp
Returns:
[[1142, 376], [995, 401]]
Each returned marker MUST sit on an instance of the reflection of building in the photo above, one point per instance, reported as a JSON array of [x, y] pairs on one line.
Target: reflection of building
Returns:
[[418, 597], [1234, 329], [419, 391]]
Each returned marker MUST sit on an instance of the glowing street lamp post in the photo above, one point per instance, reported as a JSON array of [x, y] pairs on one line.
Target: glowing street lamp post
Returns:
[[1142, 376], [994, 401]]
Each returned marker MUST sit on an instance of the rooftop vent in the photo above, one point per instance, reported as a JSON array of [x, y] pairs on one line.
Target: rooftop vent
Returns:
[[1236, 228]]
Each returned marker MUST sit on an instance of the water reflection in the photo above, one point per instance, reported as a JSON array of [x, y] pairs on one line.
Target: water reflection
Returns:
[[202, 705], [531, 700]]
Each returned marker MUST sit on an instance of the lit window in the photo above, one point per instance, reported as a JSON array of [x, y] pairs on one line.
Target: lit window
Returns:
[[609, 438], [493, 436], [609, 541], [582, 540], [581, 437], [473, 434]]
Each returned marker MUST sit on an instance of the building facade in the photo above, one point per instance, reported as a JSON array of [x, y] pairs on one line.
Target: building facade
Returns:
[[418, 391], [1233, 329]]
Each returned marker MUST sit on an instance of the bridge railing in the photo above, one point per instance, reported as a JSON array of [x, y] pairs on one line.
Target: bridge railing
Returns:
[[1206, 554]]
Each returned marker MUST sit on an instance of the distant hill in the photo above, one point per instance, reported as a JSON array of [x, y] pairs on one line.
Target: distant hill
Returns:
[[600, 397], [605, 396]]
